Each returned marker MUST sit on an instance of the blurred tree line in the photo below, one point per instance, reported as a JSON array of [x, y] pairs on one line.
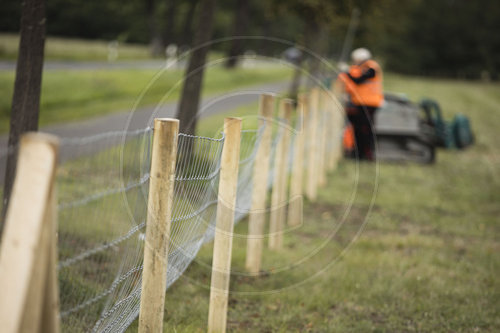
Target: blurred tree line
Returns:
[[450, 38], [454, 38]]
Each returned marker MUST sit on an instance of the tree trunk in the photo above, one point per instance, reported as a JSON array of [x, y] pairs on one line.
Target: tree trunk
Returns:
[[297, 75], [187, 30], [315, 35], [155, 39], [240, 25], [263, 44], [190, 98], [169, 32], [26, 98]]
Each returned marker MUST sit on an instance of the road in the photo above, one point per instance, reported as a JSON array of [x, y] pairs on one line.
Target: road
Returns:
[[9, 65]]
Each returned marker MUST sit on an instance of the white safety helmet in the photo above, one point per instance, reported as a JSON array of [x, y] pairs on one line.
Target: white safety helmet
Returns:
[[360, 55]]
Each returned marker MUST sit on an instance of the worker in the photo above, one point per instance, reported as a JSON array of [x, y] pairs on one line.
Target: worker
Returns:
[[363, 85]]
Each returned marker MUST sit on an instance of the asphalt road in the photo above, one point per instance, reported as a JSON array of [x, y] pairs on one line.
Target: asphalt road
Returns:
[[9, 65]]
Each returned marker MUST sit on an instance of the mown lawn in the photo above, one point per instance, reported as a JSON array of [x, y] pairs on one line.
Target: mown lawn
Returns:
[[74, 49], [385, 248]]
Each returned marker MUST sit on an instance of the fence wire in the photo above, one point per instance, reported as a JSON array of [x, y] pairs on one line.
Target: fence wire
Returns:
[[103, 184]]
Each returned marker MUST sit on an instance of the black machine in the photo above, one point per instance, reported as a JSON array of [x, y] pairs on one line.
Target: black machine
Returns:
[[406, 131]]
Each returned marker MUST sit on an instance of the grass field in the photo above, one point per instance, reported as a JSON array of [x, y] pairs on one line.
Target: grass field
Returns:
[[425, 261], [74, 49], [73, 95]]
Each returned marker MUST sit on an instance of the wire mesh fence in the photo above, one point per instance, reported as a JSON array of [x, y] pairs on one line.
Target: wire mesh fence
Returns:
[[103, 185], [103, 189]]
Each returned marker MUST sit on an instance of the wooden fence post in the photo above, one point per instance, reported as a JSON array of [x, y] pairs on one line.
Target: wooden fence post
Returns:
[[278, 195], [323, 133], [297, 177], [223, 241], [161, 187], [332, 137], [28, 251], [312, 138], [337, 125], [256, 220], [50, 311]]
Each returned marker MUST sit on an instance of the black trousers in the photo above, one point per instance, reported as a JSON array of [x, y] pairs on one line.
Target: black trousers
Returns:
[[362, 119]]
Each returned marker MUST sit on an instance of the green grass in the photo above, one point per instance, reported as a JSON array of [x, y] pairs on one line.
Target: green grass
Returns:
[[426, 260], [73, 95], [74, 49]]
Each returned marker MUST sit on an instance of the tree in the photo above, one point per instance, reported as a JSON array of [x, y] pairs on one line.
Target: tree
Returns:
[[191, 91], [187, 30], [317, 16], [26, 98], [316, 42], [240, 25], [169, 32], [297, 75], [155, 39]]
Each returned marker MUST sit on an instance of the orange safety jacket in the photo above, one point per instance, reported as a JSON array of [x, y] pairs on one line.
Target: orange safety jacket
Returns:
[[369, 92]]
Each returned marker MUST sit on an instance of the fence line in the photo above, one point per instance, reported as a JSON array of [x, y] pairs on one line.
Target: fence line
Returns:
[[106, 184]]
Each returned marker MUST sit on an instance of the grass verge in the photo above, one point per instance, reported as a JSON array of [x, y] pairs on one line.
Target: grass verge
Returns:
[[74, 49]]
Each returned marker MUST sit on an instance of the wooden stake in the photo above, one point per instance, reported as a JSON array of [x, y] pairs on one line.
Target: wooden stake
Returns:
[[296, 180], [161, 188], [330, 108], [28, 239], [50, 314], [331, 137], [223, 241], [278, 196], [337, 124], [257, 216], [322, 133], [312, 138], [335, 140]]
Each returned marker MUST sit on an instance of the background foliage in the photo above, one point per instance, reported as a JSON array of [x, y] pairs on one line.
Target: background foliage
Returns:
[[452, 38]]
